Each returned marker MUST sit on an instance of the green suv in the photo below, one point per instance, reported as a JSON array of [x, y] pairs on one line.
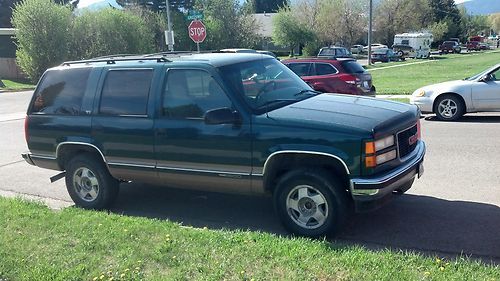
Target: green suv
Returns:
[[241, 123]]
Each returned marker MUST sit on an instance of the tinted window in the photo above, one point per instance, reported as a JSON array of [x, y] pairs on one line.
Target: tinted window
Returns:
[[61, 91], [405, 42], [191, 93], [126, 92], [351, 66], [325, 69], [301, 69]]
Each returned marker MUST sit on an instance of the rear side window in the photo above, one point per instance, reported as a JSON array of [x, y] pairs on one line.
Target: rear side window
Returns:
[[325, 69], [61, 92], [301, 69], [126, 92], [352, 66]]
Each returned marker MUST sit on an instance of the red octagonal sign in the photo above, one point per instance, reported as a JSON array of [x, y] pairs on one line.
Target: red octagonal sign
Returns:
[[197, 31]]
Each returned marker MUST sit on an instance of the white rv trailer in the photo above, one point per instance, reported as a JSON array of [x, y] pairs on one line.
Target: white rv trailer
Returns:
[[419, 41]]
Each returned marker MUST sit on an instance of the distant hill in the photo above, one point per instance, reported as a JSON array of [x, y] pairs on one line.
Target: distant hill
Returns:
[[482, 7]]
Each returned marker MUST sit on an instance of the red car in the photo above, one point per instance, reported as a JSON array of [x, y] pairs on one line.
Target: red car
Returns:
[[341, 75]]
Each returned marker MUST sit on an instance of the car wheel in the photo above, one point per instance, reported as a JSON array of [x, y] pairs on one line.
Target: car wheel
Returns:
[[311, 203], [89, 183], [449, 108]]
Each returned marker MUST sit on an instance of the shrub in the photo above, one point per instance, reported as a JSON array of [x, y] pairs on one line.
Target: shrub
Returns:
[[108, 32], [42, 29]]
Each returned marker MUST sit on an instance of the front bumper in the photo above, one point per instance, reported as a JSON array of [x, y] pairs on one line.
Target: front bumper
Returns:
[[373, 192], [27, 157], [423, 103]]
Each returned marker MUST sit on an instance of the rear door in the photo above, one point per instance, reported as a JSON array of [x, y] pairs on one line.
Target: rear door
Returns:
[[122, 123], [324, 78]]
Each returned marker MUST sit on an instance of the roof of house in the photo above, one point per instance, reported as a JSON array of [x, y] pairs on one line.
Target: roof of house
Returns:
[[264, 24]]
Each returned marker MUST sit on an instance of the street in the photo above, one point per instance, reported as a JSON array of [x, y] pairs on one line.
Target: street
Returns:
[[453, 209]]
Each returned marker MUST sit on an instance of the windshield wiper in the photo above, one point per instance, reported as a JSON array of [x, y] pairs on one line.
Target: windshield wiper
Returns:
[[307, 92], [268, 103]]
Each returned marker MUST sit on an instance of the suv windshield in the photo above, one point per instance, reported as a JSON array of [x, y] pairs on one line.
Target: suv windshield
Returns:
[[352, 66], [265, 84]]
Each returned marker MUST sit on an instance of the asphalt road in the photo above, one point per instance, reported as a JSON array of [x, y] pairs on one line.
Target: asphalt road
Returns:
[[453, 210]]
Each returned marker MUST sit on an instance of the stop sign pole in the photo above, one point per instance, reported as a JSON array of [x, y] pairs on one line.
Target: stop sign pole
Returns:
[[197, 32]]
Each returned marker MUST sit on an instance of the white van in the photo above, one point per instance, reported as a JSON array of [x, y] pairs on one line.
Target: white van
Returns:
[[420, 42]]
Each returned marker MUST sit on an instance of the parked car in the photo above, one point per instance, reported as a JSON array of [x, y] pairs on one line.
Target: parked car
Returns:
[[334, 52], [473, 46], [450, 100], [223, 122], [450, 47], [343, 76], [374, 47], [403, 51], [384, 55], [357, 49], [484, 46]]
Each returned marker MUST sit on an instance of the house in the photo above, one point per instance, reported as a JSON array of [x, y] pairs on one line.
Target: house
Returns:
[[8, 66]]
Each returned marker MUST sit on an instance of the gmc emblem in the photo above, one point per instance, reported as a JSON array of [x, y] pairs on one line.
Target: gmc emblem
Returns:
[[413, 139]]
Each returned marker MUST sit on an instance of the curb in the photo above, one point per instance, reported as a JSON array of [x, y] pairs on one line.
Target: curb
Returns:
[[54, 204]]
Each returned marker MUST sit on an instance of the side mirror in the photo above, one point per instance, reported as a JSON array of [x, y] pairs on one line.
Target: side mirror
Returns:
[[485, 78], [221, 116]]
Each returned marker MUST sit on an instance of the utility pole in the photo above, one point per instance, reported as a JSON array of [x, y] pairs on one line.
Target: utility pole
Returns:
[[169, 35], [370, 34]]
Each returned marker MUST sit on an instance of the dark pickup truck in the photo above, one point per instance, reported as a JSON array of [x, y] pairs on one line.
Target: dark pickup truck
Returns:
[[240, 123]]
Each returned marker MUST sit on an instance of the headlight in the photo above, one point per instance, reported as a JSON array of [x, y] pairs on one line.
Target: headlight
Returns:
[[388, 156], [372, 158], [384, 143], [419, 93]]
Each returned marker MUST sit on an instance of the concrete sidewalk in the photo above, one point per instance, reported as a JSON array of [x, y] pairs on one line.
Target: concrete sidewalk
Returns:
[[393, 96]]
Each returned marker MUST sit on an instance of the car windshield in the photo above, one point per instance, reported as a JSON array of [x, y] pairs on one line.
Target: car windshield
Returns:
[[352, 66], [477, 76], [265, 84]]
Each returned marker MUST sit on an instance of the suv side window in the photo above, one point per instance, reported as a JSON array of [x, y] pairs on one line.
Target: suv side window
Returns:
[[126, 92], [325, 69], [61, 92], [189, 93], [301, 69]]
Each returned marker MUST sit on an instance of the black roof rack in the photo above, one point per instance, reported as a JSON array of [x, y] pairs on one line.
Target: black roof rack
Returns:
[[114, 59]]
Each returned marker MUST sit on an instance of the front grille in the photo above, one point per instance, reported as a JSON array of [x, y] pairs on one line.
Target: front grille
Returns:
[[404, 145]]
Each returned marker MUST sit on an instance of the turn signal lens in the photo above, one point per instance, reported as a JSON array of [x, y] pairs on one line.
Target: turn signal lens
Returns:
[[369, 147], [370, 162], [420, 93]]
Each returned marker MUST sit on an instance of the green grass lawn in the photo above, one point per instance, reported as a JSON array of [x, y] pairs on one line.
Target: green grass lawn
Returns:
[[406, 79], [16, 85], [37, 243]]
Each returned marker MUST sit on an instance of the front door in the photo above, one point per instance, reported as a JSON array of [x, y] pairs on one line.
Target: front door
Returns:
[[191, 153], [486, 95]]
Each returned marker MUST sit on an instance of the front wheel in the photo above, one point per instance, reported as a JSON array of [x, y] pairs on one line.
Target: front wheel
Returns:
[[311, 203], [449, 108], [89, 183]]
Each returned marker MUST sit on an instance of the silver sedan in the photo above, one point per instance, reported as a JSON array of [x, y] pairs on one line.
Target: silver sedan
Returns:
[[450, 100]]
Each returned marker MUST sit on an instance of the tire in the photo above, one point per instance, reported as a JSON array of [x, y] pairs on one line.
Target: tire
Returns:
[[320, 200], [449, 108], [402, 189], [89, 183]]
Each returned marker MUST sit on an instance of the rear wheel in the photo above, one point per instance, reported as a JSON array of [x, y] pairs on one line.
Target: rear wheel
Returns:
[[89, 183], [311, 203], [449, 108]]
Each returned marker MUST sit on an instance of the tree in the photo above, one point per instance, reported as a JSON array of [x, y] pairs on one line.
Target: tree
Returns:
[[227, 25], [289, 32], [447, 11], [438, 30], [42, 35], [398, 16], [266, 6], [109, 31], [495, 22]]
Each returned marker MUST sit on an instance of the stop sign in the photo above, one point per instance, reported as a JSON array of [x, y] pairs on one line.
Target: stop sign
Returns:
[[197, 31]]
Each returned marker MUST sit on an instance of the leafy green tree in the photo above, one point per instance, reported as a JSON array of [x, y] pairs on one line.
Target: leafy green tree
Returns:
[[495, 22], [227, 25], [42, 35], [447, 11], [110, 31], [438, 30], [289, 32]]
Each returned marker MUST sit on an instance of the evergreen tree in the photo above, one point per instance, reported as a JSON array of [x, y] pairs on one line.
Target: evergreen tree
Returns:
[[267, 6]]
